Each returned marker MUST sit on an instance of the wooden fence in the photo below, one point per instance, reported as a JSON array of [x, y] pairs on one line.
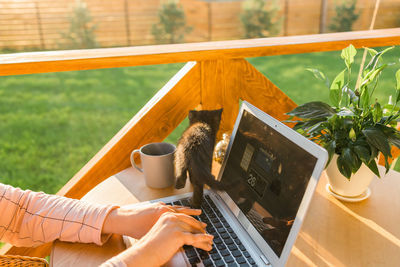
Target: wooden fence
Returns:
[[38, 24]]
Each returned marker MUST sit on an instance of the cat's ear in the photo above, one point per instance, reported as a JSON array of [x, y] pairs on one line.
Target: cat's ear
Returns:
[[219, 114], [217, 118], [191, 116]]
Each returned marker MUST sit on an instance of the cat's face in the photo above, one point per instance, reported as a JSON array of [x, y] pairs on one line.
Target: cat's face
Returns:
[[211, 117]]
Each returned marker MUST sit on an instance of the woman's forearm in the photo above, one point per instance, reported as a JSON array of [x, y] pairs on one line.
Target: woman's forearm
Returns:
[[33, 218]]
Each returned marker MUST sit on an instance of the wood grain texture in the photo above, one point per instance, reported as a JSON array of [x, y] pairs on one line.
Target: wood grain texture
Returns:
[[40, 62], [261, 92], [334, 233], [84, 251], [40, 251], [220, 89]]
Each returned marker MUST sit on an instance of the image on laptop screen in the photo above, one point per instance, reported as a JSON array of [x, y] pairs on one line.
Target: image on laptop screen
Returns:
[[266, 175]]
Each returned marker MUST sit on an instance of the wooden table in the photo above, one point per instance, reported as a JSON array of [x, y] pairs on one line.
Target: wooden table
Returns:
[[334, 233]]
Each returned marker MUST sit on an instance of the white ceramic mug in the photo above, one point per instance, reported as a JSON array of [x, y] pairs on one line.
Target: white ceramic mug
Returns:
[[157, 164]]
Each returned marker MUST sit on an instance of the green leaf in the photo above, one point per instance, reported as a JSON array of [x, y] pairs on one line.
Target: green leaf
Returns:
[[336, 88], [348, 55], [374, 153], [330, 147], [345, 112], [375, 59], [343, 166], [298, 125], [363, 153], [390, 119], [392, 134], [345, 98], [364, 97], [377, 112], [378, 139], [370, 77], [357, 165], [397, 86], [351, 94], [373, 167], [308, 126], [316, 128], [312, 110], [351, 159], [389, 108], [319, 75], [394, 139], [387, 165], [371, 51]]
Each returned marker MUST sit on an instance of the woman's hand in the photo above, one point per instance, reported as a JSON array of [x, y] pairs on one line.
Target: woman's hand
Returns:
[[171, 231], [137, 220]]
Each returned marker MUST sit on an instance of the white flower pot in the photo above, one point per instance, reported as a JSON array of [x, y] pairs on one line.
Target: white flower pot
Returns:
[[357, 185]]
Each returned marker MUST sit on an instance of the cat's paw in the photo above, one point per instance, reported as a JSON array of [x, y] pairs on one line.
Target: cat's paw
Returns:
[[195, 204], [180, 183]]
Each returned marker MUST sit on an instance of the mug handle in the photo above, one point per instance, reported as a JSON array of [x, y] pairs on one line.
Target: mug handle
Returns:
[[133, 160]]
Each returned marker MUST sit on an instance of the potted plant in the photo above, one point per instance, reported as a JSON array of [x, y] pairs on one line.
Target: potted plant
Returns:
[[354, 127]]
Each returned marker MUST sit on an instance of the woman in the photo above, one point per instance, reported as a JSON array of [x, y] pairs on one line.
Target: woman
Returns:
[[33, 218]]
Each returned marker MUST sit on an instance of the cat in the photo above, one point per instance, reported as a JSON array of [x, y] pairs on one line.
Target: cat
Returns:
[[194, 153]]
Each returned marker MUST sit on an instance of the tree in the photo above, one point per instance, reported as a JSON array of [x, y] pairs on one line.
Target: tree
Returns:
[[171, 27], [345, 16], [81, 33], [259, 21]]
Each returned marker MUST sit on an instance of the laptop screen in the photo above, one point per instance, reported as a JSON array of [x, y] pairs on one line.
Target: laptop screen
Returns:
[[266, 175]]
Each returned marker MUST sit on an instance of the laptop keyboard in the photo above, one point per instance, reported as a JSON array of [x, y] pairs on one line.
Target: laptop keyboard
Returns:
[[227, 249]]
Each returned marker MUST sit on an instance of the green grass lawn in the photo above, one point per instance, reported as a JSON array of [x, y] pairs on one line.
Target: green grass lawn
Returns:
[[52, 124]]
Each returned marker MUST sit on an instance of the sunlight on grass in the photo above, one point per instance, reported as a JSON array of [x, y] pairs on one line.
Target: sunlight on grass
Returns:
[[52, 124]]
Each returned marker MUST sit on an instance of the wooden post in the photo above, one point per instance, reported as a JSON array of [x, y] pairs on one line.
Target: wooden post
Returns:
[[260, 91], [286, 18], [209, 17], [39, 22], [322, 18], [127, 24], [220, 89]]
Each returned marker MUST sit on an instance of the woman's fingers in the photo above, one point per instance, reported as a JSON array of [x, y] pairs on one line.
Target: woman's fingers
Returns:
[[204, 246], [191, 234], [186, 210], [191, 239], [203, 241], [191, 223]]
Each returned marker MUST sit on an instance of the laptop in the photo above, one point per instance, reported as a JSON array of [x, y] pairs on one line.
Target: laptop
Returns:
[[270, 172]]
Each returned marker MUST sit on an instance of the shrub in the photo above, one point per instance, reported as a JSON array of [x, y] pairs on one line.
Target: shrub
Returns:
[[81, 33], [345, 16], [171, 27], [258, 21]]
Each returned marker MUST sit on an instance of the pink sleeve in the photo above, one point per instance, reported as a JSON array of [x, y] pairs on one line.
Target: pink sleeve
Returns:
[[32, 218]]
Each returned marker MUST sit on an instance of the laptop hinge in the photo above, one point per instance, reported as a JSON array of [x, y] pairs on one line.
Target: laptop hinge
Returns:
[[264, 259]]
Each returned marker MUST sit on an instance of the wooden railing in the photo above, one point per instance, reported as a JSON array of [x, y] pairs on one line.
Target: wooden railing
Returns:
[[215, 75]]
